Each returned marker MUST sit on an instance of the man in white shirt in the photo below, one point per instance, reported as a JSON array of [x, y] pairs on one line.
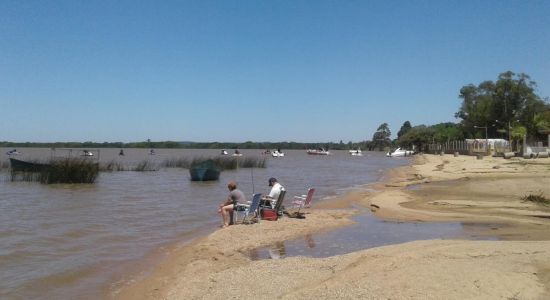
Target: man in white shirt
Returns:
[[276, 189]]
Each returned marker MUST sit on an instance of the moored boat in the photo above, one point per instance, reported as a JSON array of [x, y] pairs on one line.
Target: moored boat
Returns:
[[276, 153], [204, 171], [356, 152], [12, 152], [319, 151], [87, 153], [399, 152]]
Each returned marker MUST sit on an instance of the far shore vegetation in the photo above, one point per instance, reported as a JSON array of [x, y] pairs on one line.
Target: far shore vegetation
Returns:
[[508, 108], [188, 145]]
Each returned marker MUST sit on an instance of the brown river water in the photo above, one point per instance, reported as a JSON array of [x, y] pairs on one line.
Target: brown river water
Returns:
[[64, 241]]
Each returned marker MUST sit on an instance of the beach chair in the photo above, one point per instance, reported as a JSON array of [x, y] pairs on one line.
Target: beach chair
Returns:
[[247, 209], [279, 203], [276, 211], [304, 200]]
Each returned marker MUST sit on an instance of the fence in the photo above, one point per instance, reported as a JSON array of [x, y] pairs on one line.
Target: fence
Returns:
[[461, 147], [472, 147]]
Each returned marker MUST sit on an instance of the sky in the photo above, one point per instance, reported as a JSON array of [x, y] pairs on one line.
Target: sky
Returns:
[[235, 71]]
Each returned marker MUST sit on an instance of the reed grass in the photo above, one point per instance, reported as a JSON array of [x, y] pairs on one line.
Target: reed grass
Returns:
[[253, 162], [112, 166], [4, 164], [145, 166], [25, 176], [224, 163], [69, 170], [181, 162]]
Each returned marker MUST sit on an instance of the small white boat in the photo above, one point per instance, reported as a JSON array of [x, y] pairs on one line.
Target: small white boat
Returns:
[[277, 153], [399, 152], [319, 151], [356, 152], [13, 152], [224, 152], [237, 153], [86, 153], [152, 152]]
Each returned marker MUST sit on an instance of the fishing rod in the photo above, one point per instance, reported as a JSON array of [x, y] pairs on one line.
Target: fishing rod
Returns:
[[252, 175]]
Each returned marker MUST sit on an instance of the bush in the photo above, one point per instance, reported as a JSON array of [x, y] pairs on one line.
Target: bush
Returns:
[[70, 170], [538, 199]]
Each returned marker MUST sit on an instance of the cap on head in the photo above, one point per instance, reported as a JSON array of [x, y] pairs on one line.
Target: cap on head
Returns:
[[272, 180]]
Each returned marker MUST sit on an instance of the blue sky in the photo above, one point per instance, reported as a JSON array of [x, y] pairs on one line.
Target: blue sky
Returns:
[[253, 70]]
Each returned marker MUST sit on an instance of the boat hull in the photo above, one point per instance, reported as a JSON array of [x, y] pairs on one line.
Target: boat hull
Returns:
[[399, 152], [25, 166], [205, 171], [316, 152], [278, 154]]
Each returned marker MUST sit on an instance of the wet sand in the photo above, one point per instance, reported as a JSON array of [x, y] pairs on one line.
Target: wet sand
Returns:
[[435, 188]]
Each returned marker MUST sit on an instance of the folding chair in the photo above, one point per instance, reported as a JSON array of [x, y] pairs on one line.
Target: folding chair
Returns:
[[276, 211], [247, 209], [304, 200]]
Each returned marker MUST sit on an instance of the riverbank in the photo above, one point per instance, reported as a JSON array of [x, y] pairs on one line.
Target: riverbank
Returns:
[[435, 188]]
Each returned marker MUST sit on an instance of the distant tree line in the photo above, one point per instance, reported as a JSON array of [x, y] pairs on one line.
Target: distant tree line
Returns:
[[192, 145]]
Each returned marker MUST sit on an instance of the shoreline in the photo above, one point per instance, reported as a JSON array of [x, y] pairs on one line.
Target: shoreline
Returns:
[[198, 270]]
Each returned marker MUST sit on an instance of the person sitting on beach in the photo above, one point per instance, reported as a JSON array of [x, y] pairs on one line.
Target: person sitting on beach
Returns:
[[226, 208], [276, 188]]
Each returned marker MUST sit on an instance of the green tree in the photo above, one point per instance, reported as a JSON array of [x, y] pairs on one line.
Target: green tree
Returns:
[[381, 138], [404, 128], [510, 101], [418, 136], [541, 121], [444, 132]]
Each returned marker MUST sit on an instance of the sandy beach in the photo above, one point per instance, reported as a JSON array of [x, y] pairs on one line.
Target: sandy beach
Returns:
[[433, 189]]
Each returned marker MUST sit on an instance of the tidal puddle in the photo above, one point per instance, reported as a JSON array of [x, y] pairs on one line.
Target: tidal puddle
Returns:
[[369, 232]]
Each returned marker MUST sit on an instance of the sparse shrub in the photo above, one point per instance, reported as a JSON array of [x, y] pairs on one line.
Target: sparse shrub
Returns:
[[70, 170], [538, 199]]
